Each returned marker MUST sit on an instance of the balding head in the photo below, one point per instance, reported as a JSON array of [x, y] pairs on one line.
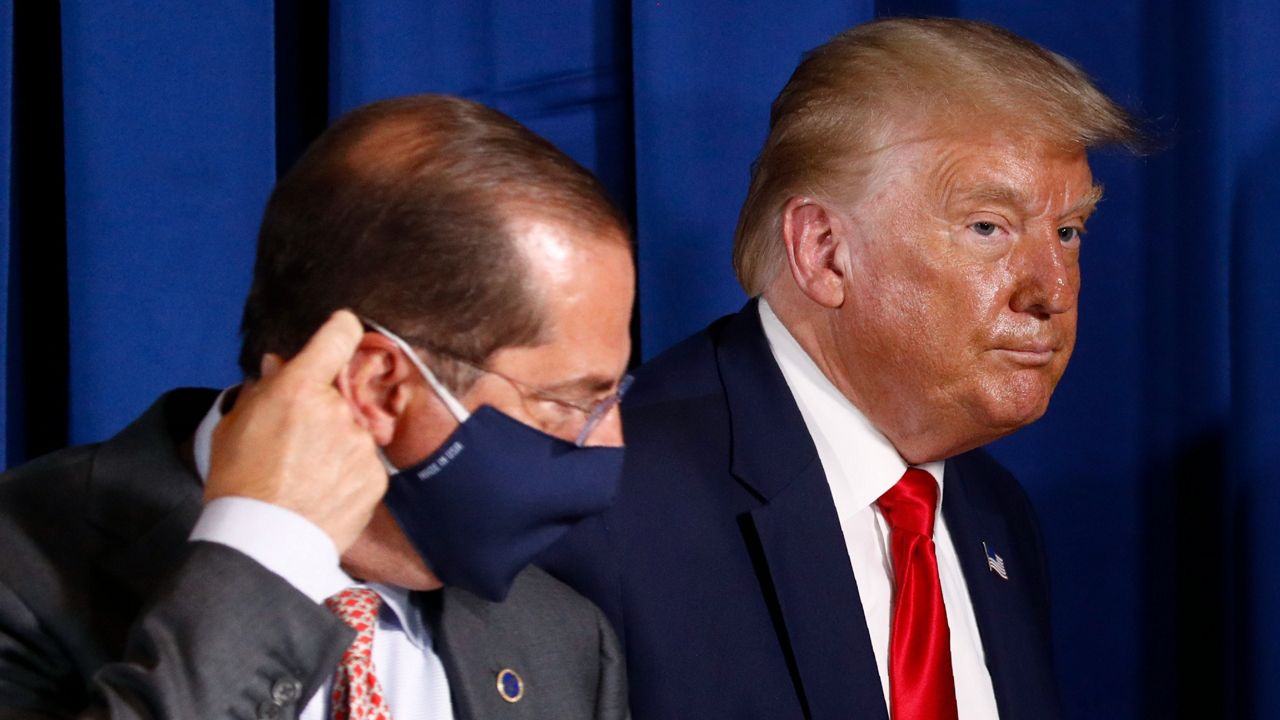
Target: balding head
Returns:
[[403, 211]]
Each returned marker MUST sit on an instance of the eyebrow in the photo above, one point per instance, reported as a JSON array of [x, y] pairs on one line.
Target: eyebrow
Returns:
[[1009, 196], [1086, 205], [997, 193], [587, 385]]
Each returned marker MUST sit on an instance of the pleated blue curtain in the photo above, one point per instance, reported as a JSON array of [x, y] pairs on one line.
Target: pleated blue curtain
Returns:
[[1251, 130], [561, 67], [169, 152], [140, 140], [703, 84]]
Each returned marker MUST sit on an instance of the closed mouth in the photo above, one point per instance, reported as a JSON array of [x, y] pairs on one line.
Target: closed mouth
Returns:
[[1034, 354]]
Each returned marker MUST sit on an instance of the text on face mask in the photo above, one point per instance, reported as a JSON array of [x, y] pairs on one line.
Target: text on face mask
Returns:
[[441, 462]]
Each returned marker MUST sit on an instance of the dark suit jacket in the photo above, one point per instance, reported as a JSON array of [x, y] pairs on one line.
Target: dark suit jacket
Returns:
[[106, 610], [723, 567]]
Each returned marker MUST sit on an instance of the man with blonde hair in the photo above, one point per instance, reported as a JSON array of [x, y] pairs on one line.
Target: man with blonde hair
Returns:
[[806, 526]]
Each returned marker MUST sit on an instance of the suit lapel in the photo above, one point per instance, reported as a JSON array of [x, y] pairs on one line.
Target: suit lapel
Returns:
[[1001, 608], [475, 640], [795, 535], [458, 623], [144, 495]]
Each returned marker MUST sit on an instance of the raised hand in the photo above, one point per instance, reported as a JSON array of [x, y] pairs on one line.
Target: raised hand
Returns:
[[292, 439]]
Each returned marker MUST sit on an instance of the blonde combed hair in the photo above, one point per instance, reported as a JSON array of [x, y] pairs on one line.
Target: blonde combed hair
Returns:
[[848, 97]]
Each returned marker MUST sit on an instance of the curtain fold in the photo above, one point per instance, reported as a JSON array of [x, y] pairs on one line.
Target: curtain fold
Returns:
[[1252, 87], [703, 84], [169, 139], [139, 141], [6, 193]]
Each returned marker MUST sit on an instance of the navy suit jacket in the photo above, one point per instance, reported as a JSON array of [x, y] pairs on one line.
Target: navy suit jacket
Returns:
[[723, 567]]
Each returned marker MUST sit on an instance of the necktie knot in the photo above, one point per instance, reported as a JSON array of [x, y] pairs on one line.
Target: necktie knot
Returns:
[[357, 693], [910, 505], [357, 607]]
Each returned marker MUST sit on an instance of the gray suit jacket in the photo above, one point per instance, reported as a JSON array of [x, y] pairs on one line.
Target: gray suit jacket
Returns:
[[107, 611]]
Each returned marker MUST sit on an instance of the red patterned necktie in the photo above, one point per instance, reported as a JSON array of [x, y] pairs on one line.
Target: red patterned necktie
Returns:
[[357, 694], [921, 683]]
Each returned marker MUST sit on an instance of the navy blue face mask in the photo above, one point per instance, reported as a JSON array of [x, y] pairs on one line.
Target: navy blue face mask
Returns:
[[495, 494]]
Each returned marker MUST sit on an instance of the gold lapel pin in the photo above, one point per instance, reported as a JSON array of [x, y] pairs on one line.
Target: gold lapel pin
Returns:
[[510, 685]]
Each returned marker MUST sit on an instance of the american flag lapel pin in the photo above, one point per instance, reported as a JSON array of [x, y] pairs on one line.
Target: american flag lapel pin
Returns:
[[995, 563]]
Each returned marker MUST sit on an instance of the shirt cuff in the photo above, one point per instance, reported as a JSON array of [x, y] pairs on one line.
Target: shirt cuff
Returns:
[[280, 540]]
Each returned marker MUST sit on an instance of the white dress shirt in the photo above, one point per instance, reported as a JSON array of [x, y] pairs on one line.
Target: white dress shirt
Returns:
[[284, 542], [861, 465]]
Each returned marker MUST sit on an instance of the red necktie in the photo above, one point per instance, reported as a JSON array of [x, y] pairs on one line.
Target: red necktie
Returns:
[[921, 683], [357, 694]]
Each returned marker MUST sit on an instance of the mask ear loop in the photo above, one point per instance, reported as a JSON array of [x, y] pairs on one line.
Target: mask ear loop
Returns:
[[455, 408]]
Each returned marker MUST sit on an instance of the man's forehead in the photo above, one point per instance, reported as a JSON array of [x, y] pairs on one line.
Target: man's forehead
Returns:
[[1024, 172], [985, 149]]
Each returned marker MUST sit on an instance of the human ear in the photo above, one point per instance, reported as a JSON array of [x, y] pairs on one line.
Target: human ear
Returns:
[[811, 240], [375, 385]]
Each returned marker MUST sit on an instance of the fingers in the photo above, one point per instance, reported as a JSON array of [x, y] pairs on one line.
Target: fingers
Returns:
[[328, 350], [347, 391], [294, 439]]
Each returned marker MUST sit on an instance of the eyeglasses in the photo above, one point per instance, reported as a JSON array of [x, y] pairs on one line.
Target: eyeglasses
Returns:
[[593, 412]]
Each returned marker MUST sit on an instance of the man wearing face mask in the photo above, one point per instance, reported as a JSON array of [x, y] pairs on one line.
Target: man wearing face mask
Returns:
[[233, 554]]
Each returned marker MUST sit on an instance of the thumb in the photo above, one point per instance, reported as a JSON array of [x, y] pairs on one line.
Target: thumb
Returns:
[[328, 350]]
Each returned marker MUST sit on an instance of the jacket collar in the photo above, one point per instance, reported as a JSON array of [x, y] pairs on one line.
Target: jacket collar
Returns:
[[794, 535], [771, 445], [143, 493], [1013, 627]]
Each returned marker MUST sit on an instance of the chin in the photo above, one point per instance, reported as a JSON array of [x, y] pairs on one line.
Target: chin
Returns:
[[410, 573], [383, 554], [1017, 404], [425, 582]]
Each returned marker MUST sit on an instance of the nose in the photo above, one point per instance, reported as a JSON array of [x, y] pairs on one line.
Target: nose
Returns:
[[1048, 279], [609, 432]]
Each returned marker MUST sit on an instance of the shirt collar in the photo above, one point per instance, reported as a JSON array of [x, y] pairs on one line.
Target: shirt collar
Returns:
[[401, 612], [851, 449], [202, 443], [398, 607]]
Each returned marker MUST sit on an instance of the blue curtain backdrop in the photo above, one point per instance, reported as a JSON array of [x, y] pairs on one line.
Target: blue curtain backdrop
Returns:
[[138, 142]]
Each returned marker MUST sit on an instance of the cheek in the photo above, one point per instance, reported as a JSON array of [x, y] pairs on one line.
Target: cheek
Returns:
[[986, 292], [953, 310], [922, 308], [904, 326], [891, 311]]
